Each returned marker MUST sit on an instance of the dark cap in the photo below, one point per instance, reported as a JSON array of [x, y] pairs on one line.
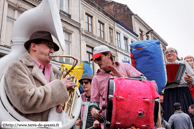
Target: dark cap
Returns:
[[176, 105], [86, 76], [41, 35]]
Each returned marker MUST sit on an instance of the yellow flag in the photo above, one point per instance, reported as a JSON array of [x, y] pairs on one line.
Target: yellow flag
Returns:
[[77, 71]]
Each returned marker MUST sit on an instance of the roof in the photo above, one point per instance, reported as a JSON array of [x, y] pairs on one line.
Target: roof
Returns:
[[120, 23]]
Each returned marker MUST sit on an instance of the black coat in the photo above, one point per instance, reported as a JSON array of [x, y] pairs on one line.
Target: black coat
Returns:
[[192, 119]]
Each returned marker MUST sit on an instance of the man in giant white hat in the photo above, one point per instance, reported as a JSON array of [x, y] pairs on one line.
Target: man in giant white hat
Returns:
[[103, 57]]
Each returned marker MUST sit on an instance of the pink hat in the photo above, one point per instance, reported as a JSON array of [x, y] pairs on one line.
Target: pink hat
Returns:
[[98, 51]]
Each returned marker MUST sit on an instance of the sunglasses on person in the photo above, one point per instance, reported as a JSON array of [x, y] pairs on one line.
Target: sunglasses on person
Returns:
[[86, 82], [171, 51], [49, 45], [97, 59]]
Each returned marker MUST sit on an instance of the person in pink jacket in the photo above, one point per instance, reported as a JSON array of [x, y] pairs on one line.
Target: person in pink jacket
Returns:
[[103, 57], [86, 120]]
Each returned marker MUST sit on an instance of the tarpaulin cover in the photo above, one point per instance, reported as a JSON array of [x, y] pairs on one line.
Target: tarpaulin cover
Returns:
[[132, 60], [149, 61]]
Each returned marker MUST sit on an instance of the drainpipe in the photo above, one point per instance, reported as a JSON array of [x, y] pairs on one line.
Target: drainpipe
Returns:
[[2, 20], [80, 31]]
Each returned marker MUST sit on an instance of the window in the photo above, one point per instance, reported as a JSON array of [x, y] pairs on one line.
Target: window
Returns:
[[126, 44], [64, 5], [89, 54], [101, 29], [89, 23], [111, 35], [12, 15], [118, 40], [67, 47], [141, 34], [147, 37]]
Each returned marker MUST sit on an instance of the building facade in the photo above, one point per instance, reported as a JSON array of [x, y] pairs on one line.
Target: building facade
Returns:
[[124, 37], [10, 10], [86, 24], [123, 14], [98, 28], [145, 32], [118, 10]]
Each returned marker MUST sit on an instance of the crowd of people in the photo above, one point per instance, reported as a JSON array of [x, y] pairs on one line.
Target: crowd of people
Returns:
[[32, 89]]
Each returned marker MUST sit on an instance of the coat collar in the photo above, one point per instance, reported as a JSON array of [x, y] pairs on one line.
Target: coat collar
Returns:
[[178, 111], [27, 60], [176, 61]]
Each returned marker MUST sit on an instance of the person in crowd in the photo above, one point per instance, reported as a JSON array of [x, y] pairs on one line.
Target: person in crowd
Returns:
[[180, 120], [177, 92], [190, 60], [104, 59], [89, 121], [30, 84], [164, 123], [191, 111]]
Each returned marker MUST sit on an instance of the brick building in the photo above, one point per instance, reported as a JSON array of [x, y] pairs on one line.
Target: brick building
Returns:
[[119, 11]]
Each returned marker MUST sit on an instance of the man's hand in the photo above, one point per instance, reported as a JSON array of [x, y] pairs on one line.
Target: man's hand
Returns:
[[59, 108], [188, 78], [78, 122], [114, 71], [67, 81], [95, 113], [96, 124]]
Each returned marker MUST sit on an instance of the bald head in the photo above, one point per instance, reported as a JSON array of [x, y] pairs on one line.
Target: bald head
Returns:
[[187, 57], [171, 54], [190, 60]]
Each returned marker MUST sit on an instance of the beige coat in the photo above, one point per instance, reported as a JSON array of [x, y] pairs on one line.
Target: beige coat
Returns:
[[29, 92]]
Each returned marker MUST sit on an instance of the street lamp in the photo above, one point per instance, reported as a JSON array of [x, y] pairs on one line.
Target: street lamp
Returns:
[[148, 31]]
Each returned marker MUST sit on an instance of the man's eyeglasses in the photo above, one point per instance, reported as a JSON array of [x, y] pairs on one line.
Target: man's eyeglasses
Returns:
[[86, 82], [189, 60], [171, 51], [50, 45], [97, 59]]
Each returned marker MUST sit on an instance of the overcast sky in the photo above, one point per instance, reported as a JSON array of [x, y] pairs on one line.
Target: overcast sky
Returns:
[[173, 20]]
